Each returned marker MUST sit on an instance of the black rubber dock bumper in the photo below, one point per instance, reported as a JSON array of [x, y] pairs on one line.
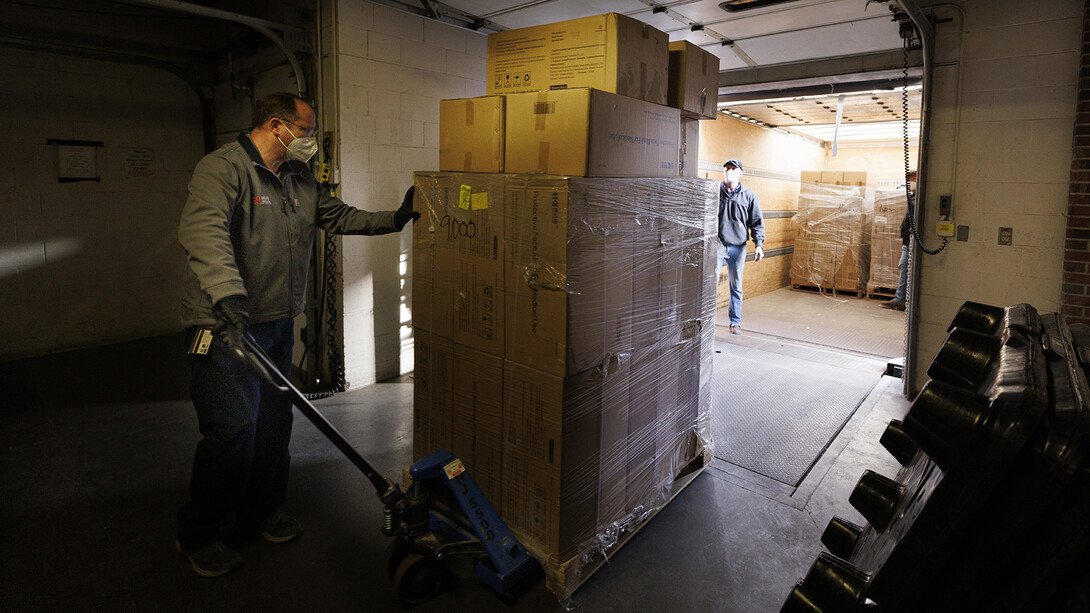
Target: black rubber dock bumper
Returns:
[[989, 509]]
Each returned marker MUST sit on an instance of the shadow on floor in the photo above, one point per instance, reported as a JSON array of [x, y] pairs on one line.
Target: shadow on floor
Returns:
[[94, 470], [148, 369]]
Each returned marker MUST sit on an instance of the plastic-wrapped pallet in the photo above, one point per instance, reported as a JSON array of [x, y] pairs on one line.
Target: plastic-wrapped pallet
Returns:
[[885, 252], [832, 248], [573, 320], [985, 513]]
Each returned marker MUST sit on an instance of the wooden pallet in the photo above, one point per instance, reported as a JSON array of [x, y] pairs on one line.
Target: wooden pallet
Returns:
[[563, 578], [832, 291], [875, 292]]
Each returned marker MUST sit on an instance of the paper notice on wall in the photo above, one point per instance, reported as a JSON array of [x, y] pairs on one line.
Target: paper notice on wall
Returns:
[[139, 163], [76, 160]]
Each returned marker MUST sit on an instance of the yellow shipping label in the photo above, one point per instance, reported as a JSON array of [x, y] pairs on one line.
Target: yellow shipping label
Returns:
[[465, 197]]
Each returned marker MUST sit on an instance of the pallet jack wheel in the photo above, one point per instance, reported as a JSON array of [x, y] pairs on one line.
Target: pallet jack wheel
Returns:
[[418, 579], [396, 552]]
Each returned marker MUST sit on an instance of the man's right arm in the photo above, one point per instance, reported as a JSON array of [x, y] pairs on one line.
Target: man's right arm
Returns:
[[205, 228]]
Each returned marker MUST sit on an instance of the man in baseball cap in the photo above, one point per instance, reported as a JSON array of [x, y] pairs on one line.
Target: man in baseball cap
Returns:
[[739, 217]]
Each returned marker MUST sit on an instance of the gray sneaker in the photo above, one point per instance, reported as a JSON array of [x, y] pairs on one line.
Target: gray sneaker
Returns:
[[280, 528], [213, 560]]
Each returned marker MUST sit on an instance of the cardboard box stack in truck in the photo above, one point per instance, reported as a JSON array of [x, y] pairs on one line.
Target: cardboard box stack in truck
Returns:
[[885, 252], [563, 286], [832, 247]]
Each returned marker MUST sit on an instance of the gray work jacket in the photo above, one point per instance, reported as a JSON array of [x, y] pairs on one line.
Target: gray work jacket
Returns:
[[740, 215], [248, 231]]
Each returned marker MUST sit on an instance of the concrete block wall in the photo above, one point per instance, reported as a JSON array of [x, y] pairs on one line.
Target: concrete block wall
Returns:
[[1003, 103], [391, 70], [91, 263]]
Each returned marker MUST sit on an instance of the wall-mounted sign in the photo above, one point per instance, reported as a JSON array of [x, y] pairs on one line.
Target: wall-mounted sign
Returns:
[[77, 160], [139, 163]]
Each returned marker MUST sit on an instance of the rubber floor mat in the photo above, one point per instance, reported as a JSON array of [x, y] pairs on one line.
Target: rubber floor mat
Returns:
[[774, 414]]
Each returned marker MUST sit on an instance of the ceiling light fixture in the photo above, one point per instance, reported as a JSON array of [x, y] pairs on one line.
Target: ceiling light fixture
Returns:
[[817, 99], [733, 6]]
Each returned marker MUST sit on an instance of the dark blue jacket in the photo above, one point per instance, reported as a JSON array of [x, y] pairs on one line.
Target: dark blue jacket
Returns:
[[740, 214]]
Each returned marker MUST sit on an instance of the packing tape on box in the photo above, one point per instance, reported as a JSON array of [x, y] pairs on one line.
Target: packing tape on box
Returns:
[[542, 109], [469, 112]]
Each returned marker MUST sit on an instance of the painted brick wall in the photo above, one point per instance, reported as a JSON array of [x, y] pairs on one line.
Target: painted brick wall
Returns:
[[392, 68], [90, 263], [1076, 276], [1003, 107]]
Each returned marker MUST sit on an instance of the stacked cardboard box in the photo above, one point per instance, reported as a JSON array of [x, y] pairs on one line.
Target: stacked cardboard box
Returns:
[[564, 316], [584, 97], [565, 354], [471, 134], [885, 252], [610, 52], [694, 89], [590, 133], [832, 247], [694, 80]]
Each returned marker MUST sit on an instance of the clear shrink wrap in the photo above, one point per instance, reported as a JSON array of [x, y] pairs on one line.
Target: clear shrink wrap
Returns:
[[832, 247], [564, 331], [885, 252]]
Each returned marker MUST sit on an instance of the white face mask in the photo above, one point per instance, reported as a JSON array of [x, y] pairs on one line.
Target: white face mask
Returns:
[[733, 175], [302, 148]]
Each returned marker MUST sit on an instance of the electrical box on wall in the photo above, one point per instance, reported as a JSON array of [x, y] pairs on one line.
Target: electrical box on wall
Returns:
[[945, 227]]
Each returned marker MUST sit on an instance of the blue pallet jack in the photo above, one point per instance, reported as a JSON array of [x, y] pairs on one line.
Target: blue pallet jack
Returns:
[[443, 513]]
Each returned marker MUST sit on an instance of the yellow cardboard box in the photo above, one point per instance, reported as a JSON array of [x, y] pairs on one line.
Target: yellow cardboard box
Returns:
[[471, 134], [609, 52], [590, 133]]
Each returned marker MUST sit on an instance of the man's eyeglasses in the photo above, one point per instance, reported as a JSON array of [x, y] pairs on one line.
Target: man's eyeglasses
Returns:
[[306, 131]]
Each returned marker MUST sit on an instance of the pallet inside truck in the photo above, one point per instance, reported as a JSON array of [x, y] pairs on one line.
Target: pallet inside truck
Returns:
[[442, 513]]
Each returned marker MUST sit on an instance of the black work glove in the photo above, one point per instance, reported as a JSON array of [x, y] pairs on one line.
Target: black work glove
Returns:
[[405, 214], [230, 315]]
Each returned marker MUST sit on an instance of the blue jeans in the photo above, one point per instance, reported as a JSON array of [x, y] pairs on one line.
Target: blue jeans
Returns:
[[240, 468], [902, 267], [734, 258]]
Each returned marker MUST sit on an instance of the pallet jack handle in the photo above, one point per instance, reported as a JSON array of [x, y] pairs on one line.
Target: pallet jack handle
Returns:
[[246, 349]]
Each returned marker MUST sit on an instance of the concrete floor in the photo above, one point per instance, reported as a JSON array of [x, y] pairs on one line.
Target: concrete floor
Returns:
[[824, 319], [95, 449]]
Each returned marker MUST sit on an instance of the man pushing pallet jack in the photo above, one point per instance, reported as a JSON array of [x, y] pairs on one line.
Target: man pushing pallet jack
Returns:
[[442, 513]]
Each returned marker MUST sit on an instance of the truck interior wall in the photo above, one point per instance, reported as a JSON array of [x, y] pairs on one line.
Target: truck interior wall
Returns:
[[773, 162], [886, 161]]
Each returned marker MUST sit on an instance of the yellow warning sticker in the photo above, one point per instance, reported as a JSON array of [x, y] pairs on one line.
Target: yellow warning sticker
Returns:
[[465, 197], [454, 468], [469, 201]]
